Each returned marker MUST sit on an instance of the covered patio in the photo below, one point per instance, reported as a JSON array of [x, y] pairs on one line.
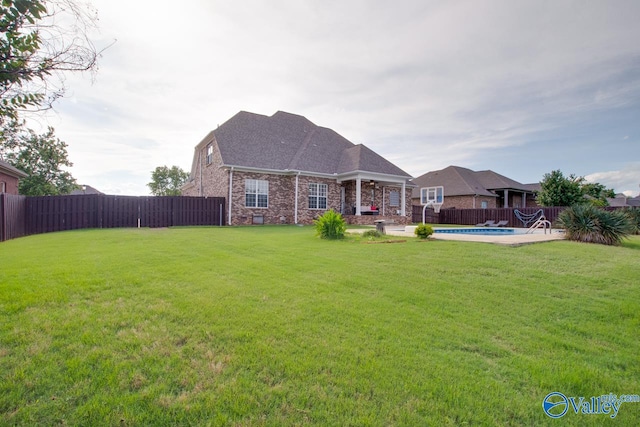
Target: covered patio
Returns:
[[366, 197]]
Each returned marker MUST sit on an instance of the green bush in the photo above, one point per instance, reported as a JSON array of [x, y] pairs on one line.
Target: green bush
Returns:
[[371, 233], [587, 223], [634, 217], [423, 231], [331, 225]]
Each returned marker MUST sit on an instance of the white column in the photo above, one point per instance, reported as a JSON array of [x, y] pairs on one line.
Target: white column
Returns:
[[506, 199], [404, 201], [358, 195]]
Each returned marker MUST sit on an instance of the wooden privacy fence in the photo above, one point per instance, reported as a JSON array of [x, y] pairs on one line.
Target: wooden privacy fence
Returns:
[[23, 216], [479, 216]]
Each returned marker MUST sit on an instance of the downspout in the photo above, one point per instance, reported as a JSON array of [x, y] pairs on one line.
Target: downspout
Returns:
[[230, 192], [200, 172], [295, 203], [404, 198], [474, 200]]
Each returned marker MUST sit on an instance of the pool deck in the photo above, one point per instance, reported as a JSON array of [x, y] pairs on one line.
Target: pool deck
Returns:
[[508, 240]]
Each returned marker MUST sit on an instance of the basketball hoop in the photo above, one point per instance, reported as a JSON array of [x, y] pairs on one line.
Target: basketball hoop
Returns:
[[433, 197]]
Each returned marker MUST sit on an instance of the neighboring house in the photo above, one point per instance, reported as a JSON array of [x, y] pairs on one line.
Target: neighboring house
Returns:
[[467, 189], [84, 189], [622, 200], [9, 177], [285, 169]]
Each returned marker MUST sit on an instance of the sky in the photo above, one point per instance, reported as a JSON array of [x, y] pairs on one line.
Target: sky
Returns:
[[522, 88]]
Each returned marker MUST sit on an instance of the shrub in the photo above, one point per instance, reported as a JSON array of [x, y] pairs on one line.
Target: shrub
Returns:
[[371, 233], [423, 231], [587, 223], [330, 225], [634, 217]]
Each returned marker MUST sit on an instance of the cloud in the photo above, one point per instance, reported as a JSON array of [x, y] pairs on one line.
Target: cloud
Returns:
[[626, 180], [492, 84]]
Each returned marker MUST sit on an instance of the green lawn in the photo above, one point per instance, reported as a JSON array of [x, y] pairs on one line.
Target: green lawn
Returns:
[[273, 326]]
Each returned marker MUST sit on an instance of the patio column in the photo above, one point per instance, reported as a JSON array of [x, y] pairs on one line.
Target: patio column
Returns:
[[358, 195], [506, 199], [403, 198]]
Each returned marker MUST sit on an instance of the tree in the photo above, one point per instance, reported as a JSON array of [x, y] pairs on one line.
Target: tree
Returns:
[[597, 193], [42, 157], [35, 50], [558, 190], [167, 181]]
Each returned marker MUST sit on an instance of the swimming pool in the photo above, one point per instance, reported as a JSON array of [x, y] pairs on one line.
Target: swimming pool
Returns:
[[481, 231], [472, 231]]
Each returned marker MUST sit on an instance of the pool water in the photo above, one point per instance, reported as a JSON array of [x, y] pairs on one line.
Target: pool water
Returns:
[[480, 231]]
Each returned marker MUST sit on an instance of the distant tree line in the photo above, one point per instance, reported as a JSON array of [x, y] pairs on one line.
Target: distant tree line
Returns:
[[558, 190]]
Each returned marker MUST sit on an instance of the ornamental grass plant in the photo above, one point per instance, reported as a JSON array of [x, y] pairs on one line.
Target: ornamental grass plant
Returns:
[[589, 224], [330, 225]]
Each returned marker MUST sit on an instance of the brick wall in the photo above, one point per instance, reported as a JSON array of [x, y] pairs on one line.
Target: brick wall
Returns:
[[209, 179], [10, 183], [281, 202]]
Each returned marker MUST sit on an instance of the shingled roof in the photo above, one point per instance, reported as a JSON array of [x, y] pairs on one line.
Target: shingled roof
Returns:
[[459, 181], [10, 170], [290, 142]]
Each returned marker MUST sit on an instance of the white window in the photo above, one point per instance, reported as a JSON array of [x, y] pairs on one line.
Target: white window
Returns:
[[3, 187], [484, 204], [394, 198], [317, 196], [256, 193], [209, 154]]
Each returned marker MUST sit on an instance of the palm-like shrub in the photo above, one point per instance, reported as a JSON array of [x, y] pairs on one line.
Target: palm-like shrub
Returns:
[[587, 223], [330, 225], [634, 217]]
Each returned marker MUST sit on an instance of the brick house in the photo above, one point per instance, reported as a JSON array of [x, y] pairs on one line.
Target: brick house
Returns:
[[285, 169], [9, 177], [467, 189]]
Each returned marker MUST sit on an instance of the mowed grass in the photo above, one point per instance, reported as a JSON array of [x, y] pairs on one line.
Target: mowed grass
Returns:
[[273, 326]]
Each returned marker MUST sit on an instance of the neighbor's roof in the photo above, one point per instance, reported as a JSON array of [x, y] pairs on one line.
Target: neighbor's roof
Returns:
[[85, 189], [459, 181], [289, 142], [621, 200], [7, 169]]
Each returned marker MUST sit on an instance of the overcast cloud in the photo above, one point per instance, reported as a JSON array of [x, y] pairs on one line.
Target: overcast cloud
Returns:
[[522, 88]]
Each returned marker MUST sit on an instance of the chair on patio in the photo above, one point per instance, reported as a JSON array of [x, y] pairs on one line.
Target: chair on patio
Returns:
[[487, 224], [502, 223]]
